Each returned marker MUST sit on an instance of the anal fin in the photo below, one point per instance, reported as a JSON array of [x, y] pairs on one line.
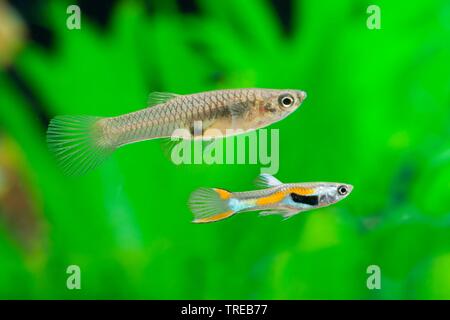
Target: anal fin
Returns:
[[285, 213]]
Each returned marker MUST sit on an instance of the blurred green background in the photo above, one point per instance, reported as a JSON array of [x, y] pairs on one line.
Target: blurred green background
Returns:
[[377, 116]]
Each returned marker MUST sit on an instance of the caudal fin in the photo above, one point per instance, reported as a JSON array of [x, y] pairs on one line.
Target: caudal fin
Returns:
[[210, 205], [78, 143]]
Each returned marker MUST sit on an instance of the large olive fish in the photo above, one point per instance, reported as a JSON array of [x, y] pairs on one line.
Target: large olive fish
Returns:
[[80, 143], [287, 200]]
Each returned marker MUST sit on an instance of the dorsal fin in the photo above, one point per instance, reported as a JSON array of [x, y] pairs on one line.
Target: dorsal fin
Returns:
[[155, 98], [266, 180]]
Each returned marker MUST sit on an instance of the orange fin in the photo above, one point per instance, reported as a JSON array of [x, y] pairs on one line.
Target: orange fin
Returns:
[[209, 205], [216, 217]]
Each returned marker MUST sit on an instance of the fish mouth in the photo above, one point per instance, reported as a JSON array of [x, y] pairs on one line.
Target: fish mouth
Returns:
[[350, 188], [303, 95]]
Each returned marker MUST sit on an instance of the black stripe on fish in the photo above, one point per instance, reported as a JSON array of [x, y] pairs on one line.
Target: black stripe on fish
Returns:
[[309, 200]]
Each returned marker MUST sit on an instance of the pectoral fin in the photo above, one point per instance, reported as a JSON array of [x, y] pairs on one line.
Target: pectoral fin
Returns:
[[237, 112]]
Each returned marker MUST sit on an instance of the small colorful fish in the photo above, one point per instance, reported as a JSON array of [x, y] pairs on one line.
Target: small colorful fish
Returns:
[[80, 143], [213, 204]]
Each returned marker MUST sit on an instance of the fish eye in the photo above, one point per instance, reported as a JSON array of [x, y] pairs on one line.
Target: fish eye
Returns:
[[286, 100], [342, 190]]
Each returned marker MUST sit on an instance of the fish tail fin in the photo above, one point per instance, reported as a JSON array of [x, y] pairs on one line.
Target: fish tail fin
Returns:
[[78, 143], [210, 205]]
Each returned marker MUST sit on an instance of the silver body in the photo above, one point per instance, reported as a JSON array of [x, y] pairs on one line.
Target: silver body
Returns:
[[219, 113]]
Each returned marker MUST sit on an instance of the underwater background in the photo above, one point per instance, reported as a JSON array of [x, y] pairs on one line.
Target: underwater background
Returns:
[[377, 116]]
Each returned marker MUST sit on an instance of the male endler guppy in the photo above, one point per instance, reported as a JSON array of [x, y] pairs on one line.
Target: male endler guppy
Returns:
[[285, 199]]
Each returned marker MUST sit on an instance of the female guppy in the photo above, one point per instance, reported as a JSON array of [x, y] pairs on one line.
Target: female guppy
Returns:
[[209, 205], [80, 143]]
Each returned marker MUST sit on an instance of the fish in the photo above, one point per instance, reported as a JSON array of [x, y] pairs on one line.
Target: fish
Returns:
[[276, 198], [81, 143]]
